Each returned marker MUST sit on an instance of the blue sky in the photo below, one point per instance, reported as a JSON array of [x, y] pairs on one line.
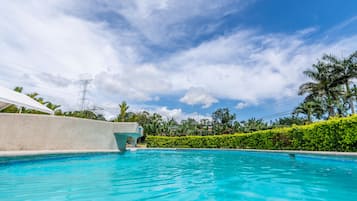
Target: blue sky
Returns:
[[180, 59]]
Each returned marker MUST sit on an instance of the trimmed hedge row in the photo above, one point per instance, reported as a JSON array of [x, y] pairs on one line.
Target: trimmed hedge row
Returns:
[[338, 134]]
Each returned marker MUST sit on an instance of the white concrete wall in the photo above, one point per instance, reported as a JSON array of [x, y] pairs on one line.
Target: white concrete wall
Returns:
[[45, 132]]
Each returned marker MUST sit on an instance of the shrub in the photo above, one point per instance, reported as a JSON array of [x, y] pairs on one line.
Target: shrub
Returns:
[[338, 134]]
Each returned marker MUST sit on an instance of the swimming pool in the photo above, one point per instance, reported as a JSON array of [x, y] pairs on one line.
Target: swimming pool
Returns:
[[180, 175]]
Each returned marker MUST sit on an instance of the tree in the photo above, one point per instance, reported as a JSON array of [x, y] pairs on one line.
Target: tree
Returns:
[[130, 117], [32, 95], [86, 114], [52, 106], [123, 111], [345, 70], [237, 127], [169, 127], [354, 92], [323, 86], [18, 89], [154, 124], [223, 116], [288, 121], [223, 120], [205, 126], [309, 108], [189, 127], [254, 124]]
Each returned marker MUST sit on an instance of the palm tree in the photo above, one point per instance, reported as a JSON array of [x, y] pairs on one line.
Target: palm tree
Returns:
[[354, 92], [123, 111], [18, 89], [254, 124], [171, 127], [154, 124], [52, 106], [345, 70], [86, 114], [32, 95], [323, 86], [309, 108], [205, 125]]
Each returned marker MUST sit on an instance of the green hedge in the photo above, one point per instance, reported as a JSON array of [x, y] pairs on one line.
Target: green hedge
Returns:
[[339, 134]]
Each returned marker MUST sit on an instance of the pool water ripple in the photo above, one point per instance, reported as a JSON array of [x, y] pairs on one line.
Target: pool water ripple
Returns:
[[181, 175]]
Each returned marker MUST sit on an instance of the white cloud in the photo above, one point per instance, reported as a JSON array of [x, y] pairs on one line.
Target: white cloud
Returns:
[[111, 110], [140, 82], [178, 114], [45, 46], [39, 40], [56, 80], [168, 22], [198, 96], [251, 67], [173, 113], [241, 105]]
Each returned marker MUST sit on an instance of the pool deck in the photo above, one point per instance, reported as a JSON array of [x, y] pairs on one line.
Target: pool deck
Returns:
[[47, 152]]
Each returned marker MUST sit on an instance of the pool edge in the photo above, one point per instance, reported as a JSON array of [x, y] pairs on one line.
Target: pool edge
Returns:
[[326, 153], [50, 152], [47, 152]]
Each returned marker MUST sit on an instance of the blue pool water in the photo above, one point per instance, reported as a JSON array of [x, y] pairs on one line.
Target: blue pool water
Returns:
[[180, 175]]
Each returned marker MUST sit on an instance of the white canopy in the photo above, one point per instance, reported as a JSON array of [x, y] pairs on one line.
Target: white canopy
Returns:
[[9, 97]]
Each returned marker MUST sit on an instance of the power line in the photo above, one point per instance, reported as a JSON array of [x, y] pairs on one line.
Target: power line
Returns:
[[279, 114], [96, 108]]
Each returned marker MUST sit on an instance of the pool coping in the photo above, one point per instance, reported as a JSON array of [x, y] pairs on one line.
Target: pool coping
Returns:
[[47, 152], [53, 152], [326, 153]]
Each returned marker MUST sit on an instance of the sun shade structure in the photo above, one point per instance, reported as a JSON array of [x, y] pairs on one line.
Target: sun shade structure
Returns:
[[9, 97]]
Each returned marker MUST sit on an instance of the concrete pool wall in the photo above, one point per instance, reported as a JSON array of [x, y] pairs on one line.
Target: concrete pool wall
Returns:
[[45, 132]]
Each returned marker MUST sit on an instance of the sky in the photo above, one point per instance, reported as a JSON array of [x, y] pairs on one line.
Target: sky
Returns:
[[177, 58]]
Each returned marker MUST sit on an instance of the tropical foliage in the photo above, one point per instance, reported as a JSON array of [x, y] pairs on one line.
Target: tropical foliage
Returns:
[[337, 134], [222, 121], [123, 112], [331, 91]]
